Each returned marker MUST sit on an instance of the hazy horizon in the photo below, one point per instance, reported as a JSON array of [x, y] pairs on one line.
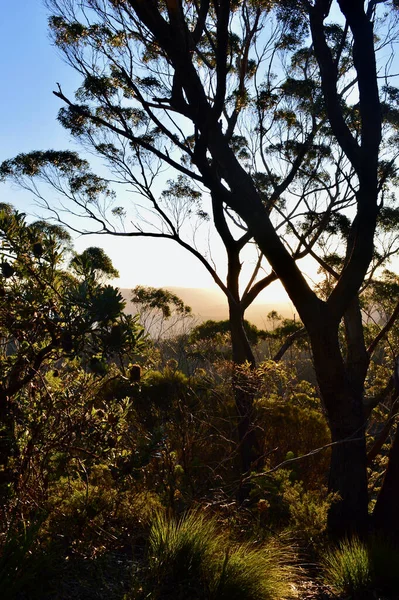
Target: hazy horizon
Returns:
[[208, 303]]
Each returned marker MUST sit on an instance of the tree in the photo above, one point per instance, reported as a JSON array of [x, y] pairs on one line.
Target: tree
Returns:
[[181, 200], [48, 314], [161, 312], [193, 85]]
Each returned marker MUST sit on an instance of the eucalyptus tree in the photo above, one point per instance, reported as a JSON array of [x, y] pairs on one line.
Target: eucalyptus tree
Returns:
[[273, 132], [161, 312], [280, 126]]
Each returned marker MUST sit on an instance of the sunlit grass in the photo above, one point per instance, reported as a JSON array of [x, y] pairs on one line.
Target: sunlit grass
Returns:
[[190, 558], [347, 568]]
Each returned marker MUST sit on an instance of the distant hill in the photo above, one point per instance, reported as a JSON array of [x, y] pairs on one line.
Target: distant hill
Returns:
[[211, 304]]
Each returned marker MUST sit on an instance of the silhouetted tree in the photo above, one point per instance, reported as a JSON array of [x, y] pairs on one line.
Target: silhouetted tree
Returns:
[[283, 132]]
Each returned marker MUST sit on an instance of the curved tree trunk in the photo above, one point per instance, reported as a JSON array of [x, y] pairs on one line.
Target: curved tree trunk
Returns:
[[243, 392], [344, 407], [386, 513]]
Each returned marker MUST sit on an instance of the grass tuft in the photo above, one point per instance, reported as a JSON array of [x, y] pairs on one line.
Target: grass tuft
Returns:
[[347, 568], [191, 559], [250, 573]]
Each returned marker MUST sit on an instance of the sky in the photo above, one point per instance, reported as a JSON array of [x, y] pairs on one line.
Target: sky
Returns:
[[31, 67]]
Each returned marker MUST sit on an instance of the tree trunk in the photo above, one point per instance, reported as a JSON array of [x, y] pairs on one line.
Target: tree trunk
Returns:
[[8, 448], [348, 477], [344, 407], [386, 512], [243, 393]]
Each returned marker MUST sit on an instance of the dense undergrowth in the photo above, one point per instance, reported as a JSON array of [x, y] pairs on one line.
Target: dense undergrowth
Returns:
[[130, 492], [121, 461]]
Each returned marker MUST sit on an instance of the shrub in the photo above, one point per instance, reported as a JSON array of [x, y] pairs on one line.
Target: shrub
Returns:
[[308, 511], [190, 559], [93, 514], [296, 429], [283, 502]]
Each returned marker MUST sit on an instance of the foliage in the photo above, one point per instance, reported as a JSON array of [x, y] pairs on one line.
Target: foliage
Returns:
[[209, 330], [161, 299], [163, 315], [51, 318], [185, 427], [282, 501], [95, 512], [297, 430], [93, 263], [49, 312]]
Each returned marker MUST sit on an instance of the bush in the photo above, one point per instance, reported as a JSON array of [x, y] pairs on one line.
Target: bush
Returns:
[[282, 502], [90, 516], [298, 430], [190, 559]]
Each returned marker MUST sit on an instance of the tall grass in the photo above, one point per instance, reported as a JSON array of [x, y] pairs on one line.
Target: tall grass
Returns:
[[180, 552], [249, 573], [347, 568], [191, 559], [354, 568]]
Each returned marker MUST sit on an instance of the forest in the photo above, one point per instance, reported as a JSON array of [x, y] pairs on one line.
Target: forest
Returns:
[[150, 455]]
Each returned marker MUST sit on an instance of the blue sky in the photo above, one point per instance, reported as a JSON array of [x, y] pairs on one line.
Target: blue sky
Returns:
[[30, 68]]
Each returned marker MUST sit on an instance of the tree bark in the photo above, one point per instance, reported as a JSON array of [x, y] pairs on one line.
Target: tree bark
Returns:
[[8, 448], [243, 390], [344, 408], [386, 513]]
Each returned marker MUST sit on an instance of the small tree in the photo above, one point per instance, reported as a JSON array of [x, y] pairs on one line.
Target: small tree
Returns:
[[161, 312]]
